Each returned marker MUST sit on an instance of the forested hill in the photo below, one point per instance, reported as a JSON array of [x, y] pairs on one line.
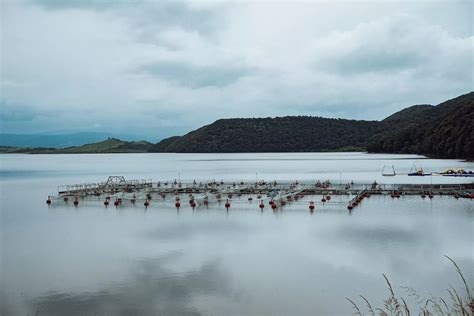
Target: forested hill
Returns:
[[281, 134], [444, 130]]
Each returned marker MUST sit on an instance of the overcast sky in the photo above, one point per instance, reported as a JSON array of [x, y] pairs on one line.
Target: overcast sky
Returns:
[[162, 68]]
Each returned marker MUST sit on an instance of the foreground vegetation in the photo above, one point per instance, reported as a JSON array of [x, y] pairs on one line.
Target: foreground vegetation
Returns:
[[458, 303]]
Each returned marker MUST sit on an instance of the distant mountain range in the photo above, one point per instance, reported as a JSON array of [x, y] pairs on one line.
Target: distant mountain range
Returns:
[[58, 140], [110, 145], [444, 131]]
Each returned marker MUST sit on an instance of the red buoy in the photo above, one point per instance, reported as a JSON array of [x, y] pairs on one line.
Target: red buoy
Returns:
[[328, 197], [76, 202], [261, 205], [274, 206], [193, 205], [106, 202], [177, 204], [116, 203], [227, 204]]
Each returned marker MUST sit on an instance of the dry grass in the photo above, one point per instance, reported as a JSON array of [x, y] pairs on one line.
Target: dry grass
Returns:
[[396, 305]]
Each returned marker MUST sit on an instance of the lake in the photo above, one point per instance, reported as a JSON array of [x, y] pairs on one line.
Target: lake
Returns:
[[92, 260]]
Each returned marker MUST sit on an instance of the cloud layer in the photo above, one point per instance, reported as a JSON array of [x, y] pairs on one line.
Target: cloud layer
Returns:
[[162, 68]]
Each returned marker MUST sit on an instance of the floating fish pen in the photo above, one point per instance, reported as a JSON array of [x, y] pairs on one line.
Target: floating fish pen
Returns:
[[119, 192], [112, 185]]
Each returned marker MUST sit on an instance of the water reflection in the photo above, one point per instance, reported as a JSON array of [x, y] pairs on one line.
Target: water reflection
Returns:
[[245, 261], [188, 230], [151, 290]]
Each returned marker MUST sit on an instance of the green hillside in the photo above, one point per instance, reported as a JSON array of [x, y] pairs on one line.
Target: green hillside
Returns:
[[111, 145], [281, 134], [108, 145], [444, 131]]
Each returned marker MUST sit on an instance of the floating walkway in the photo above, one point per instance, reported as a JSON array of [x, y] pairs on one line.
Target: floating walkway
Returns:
[[118, 191]]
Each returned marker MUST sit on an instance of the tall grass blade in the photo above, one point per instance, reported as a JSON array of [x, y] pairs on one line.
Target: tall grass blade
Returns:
[[389, 285], [371, 310], [459, 301], [458, 270], [407, 310], [354, 305]]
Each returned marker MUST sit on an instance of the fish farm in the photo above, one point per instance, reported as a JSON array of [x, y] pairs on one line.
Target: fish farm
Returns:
[[276, 194]]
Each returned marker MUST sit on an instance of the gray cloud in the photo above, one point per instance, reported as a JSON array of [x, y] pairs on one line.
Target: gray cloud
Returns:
[[78, 4], [196, 76], [373, 61], [147, 61], [391, 45], [143, 13], [16, 113]]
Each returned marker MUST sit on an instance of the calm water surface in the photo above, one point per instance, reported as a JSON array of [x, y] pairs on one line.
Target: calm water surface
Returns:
[[127, 261]]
